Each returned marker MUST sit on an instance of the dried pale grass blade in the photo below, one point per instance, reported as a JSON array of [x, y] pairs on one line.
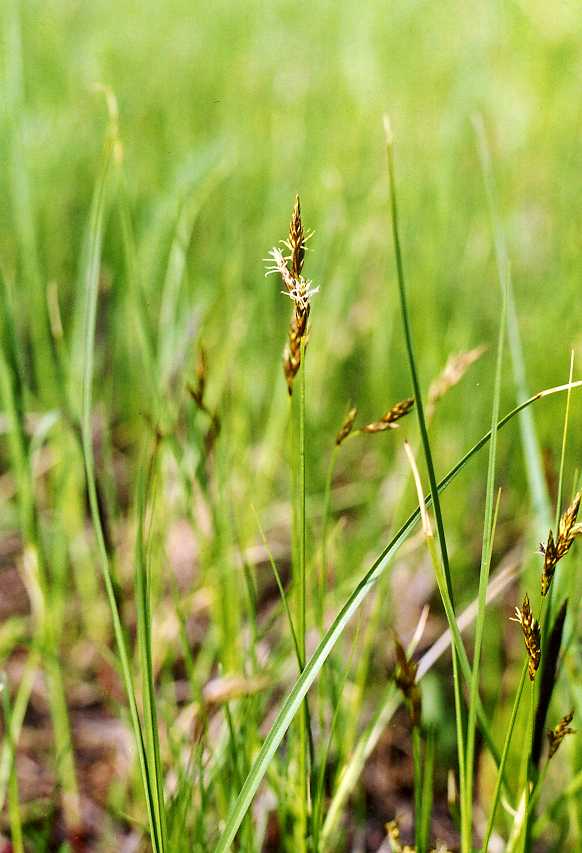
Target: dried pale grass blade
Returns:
[[454, 370]]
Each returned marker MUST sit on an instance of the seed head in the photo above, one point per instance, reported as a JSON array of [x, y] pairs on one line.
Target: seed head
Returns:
[[347, 426], [405, 680], [559, 732], [553, 551], [388, 421], [296, 241], [297, 288], [568, 529], [550, 562], [531, 635]]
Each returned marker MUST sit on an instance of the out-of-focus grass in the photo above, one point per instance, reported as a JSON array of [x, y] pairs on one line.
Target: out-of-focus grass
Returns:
[[224, 113]]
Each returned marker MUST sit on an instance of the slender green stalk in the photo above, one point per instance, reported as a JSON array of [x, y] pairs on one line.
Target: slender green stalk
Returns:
[[282, 593], [319, 786], [560, 580], [447, 591], [323, 566], [301, 520], [13, 796], [486, 555], [144, 627], [427, 791], [17, 712], [504, 754], [417, 774], [527, 765], [313, 666], [560, 494], [301, 599]]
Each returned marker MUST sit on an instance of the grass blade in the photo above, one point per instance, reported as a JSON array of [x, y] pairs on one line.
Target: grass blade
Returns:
[[504, 754], [486, 555], [144, 639]]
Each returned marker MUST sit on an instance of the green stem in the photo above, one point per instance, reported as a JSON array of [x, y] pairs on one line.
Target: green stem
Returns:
[[13, 796], [417, 775], [301, 593], [323, 568], [527, 765], [504, 754], [486, 554]]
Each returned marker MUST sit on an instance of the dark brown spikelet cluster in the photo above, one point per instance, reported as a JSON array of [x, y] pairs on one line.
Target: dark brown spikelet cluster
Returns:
[[554, 550], [559, 732], [388, 421], [531, 635], [299, 290], [405, 680]]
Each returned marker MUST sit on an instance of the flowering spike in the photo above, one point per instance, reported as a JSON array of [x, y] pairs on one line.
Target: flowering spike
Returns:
[[553, 551], [531, 635], [388, 421], [559, 732], [297, 288]]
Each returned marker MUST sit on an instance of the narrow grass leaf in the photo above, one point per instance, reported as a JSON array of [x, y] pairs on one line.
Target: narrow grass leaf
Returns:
[[486, 555]]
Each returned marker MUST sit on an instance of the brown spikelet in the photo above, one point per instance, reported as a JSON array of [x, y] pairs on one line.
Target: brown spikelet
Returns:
[[388, 421], [297, 339], [405, 679], [347, 426], [559, 732], [296, 243], [553, 551], [297, 288], [550, 562], [454, 370], [568, 529], [531, 635]]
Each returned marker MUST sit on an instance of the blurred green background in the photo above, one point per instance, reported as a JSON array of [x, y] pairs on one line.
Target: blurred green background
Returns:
[[225, 112], [245, 104]]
